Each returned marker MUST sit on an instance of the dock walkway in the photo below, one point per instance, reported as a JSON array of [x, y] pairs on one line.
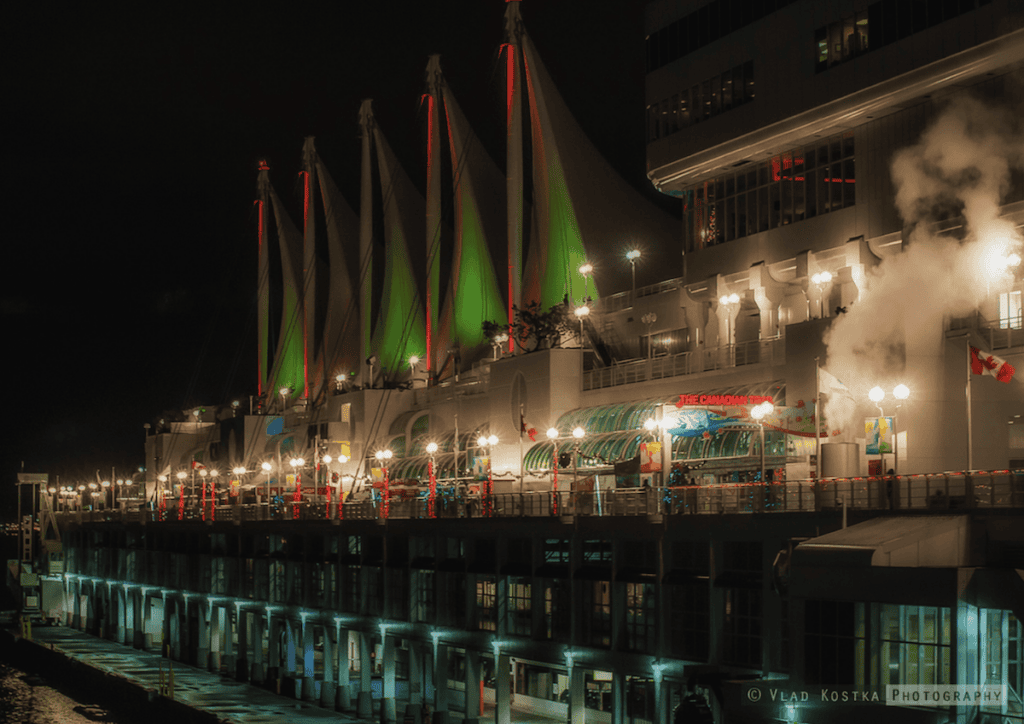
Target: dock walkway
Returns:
[[229, 701]]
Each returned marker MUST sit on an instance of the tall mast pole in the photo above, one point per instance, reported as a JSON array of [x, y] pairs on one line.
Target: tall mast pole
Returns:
[[308, 262], [967, 397], [817, 420], [366, 238], [514, 161], [433, 235], [263, 281]]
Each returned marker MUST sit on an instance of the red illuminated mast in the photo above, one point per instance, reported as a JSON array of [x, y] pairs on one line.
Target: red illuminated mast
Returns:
[[514, 160], [263, 282], [433, 204]]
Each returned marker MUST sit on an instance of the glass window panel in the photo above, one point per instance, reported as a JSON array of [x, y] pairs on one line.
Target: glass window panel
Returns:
[[810, 188], [697, 105], [738, 98], [730, 186], [850, 47], [741, 216], [809, 157], [861, 32], [823, 189], [730, 219], [684, 109], [774, 206], [727, 90], [710, 99], [847, 145], [823, 155], [748, 80], [835, 148], [666, 107], [786, 202], [835, 42], [821, 43], [652, 123], [836, 186], [799, 204], [762, 174], [752, 178], [674, 113], [762, 209], [741, 182], [849, 183]]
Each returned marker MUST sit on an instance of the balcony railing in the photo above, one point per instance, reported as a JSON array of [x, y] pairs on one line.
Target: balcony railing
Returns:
[[770, 351], [998, 333], [942, 492]]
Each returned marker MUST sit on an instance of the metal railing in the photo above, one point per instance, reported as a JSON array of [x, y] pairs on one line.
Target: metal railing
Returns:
[[999, 333], [769, 351], [942, 491]]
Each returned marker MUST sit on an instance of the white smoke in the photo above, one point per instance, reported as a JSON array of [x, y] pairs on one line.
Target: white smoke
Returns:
[[961, 166]]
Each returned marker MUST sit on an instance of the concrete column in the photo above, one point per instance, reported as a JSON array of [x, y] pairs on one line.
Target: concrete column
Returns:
[[121, 612], [215, 636], [472, 687], [441, 678], [329, 686], [308, 663], [166, 635], [242, 655], [227, 637], [293, 658], [661, 713], [417, 685], [258, 665], [502, 690], [139, 618], [716, 615], [618, 698], [344, 701], [364, 706], [273, 677], [577, 695], [207, 617], [387, 704]]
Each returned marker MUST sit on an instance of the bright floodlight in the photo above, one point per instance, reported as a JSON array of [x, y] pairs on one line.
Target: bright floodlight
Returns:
[[482, 441], [239, 470], [633, 255], [901, 392], [339, 377], [202, 474], [822, 278], [759, 412], [162, 478], [343, 459], [1013, 260], [214, 473], [431, 448], [729, 298], [413, 361], [650, 423], [182, 475], [582, 311], [586, 268], [387, 454], [328, 459], [105, 483], [552, 433], [493, 440], [578, 433], [284, 391], [266, 467], [877, 394]]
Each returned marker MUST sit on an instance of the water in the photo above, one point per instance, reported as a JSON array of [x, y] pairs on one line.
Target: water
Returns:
[[28, 699]]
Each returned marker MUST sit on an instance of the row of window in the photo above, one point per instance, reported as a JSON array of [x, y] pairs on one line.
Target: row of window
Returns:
[[703, 26], [793, 186], [882, 23], [714, 96]]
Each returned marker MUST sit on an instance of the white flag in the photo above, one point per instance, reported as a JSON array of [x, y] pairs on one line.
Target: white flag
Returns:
[[831, 385]]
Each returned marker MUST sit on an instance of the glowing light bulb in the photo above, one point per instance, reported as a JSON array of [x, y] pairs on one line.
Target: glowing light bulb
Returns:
[[877, 394]]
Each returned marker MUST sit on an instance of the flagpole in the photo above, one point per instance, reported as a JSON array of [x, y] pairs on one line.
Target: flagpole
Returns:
[[967, 397], [522, 472], [817, 421]]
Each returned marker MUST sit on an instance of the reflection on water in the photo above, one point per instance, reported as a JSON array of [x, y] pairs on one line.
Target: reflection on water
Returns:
[[28, 699]]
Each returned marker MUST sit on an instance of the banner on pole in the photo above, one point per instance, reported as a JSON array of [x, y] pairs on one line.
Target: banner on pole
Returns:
[[878, 431]]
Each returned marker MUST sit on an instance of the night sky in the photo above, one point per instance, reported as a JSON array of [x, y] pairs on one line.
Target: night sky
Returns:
[[129, 231]]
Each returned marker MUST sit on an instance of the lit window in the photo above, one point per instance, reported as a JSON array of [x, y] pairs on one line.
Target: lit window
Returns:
[[1009, 310]]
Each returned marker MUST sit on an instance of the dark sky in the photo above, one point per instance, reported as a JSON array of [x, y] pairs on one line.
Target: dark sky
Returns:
[[129, 230]]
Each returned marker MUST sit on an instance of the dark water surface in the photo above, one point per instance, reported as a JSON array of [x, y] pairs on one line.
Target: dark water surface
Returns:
[[29, 699]]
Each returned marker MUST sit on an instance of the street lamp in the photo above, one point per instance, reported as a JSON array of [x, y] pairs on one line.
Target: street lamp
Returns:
[[284, 392], [266, 466], [727, 301], [578, 434], [587, 270], [202, 481], [382, 457], [632, 256], [581, 312], [649, 319], [496, 342], [553, 437], [106, 487], [297, 464], [821, 281], [432, 478], [759, 412], [876, 395], [488, 443]]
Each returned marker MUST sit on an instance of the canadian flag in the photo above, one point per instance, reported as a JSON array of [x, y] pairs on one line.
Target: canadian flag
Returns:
[[524, 430], [983, 363]]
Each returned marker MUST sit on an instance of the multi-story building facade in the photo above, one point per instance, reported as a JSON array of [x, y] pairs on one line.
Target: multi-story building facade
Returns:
[[777, 125]]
